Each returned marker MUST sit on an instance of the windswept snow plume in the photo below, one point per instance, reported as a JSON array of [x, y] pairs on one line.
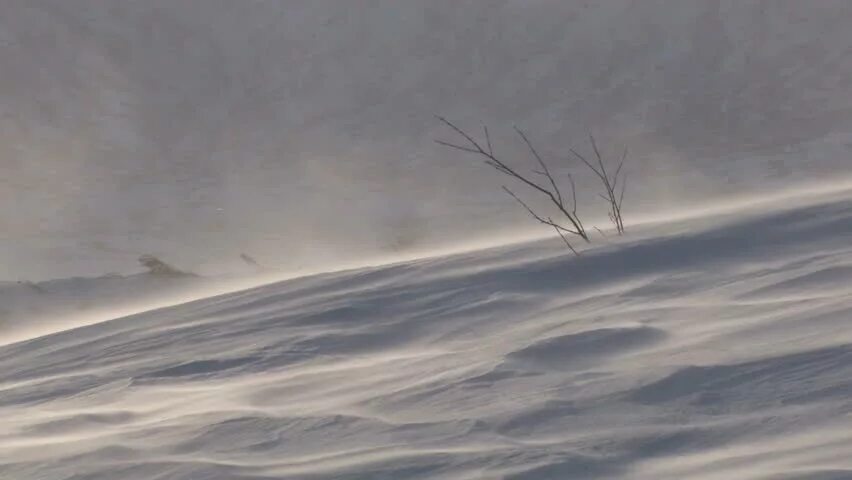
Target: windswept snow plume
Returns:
[[231, 249], [302, 132]]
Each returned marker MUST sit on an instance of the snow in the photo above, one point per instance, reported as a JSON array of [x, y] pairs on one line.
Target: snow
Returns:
[[369, 305], [710, 347]]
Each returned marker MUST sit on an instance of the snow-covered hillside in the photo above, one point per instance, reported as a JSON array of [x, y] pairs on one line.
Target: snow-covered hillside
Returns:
[[715, 347], [367, 304]]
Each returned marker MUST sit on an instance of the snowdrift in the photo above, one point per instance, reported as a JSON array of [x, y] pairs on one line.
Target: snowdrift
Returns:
[[704, 349]]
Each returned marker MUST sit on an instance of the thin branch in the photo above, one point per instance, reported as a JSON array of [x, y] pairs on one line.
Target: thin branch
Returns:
[[610, 182], [588, 164], [457, 147], [618, 170], [461, 132], [553, 193], [541, 162], [567, 243], [548, 221], [600, 159]]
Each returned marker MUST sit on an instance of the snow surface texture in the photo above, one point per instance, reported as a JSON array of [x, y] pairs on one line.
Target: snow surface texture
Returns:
[[711, 348]]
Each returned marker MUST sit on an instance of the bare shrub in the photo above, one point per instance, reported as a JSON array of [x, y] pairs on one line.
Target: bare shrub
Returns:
[[543, 182], [547, 187]]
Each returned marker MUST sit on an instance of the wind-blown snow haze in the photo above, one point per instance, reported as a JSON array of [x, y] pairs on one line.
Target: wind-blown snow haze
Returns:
[[237, 241], [302, 132]]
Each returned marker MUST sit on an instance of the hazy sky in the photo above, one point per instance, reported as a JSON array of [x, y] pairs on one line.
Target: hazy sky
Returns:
[[302, 132]]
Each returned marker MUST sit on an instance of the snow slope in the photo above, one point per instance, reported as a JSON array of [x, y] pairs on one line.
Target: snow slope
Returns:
[[716, 347], [33, 309]]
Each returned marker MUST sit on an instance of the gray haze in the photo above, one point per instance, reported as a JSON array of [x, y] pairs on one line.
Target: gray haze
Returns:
[[301, 132]]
